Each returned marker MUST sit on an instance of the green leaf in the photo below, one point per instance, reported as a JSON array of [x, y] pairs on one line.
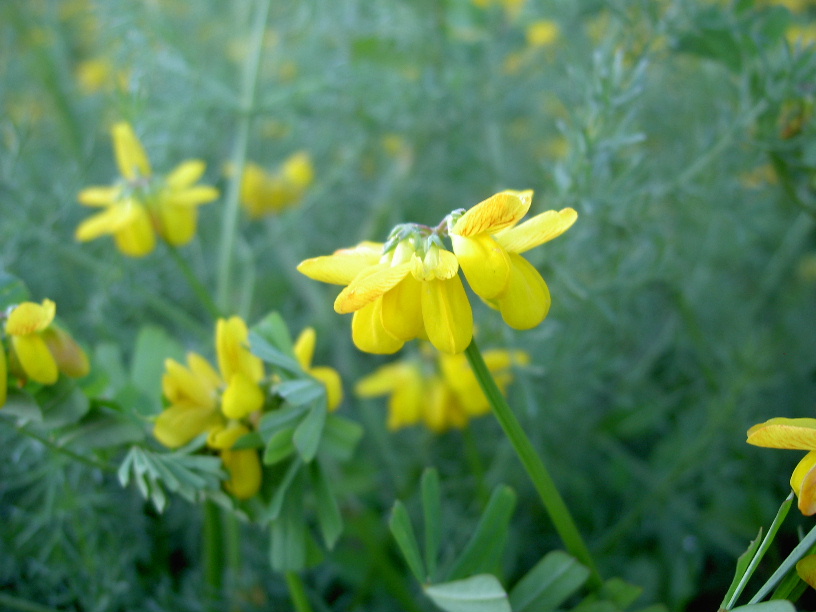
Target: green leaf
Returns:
[[308, 434], [300, 392], [62, 403], [432, 515], [266, 351], [274, 330], [287, 550], [340, 437], [767, 606], [278, 499], [403, 532], [22, 406], [250, 440], [487, 542], [620, 592], [282, 418], [482, 593], [549, 583], [328, 512], [280, 446], [103, 430], [743, 561], [153, 346]]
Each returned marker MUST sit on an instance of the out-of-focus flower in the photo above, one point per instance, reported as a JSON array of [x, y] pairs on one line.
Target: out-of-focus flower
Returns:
[[488, 242], [443, 394], [264, 194], [797, 434], [511, 7], [203, 400], [99, 74], [542, 33], [801, 34], [329, 377], [806, 568], [141, 204], [397, 294]]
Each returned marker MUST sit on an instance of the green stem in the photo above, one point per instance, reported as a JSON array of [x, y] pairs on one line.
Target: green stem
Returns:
[[796, 554], [195, 283], [213, 549], [475, 463], [15, 603], [238, 158], [543, 482], [298, 592], [90, 461]]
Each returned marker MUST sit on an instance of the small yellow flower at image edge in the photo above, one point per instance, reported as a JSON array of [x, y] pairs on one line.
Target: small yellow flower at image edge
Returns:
[[409, 287], [141, 204]]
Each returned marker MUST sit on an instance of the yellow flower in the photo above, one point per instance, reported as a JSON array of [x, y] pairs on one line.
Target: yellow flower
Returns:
[[806, 568], [304, 351], [40, 349], [441, 395], [488, 243], [542, 33], [410, 291], [141, 205], [798, 434], [263, 194], [203, 400]]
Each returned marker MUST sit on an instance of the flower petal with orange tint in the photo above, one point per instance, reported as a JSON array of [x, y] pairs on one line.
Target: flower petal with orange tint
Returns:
[[784, 433], [496, 213], [370, 285]]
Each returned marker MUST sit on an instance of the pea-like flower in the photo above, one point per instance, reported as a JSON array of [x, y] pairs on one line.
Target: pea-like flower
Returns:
[[440, 394], [39, 348], [488, 243], [203, 400], [797, 434], [141, 205], [263, 193], [329, 377]]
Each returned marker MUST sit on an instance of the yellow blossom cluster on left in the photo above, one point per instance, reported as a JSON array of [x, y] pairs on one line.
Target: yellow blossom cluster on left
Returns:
[[39, 349], [142, 205]]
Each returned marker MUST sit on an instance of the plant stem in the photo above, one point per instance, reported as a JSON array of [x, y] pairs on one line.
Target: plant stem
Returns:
[[543, 482], [89, 461], [297, 592], [796, 554], [213, 549], [15, 603], [195, 283], [238, 158]]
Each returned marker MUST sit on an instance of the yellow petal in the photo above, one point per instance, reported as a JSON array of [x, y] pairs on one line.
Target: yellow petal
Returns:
[[224, 438], [204, 371], [437, 264], [186, 173], [334, 385], [402, 309], [538, 230], [245, 472], [34, 357], [130, 156], [182, 385], [526, 301], [803, 483], [485, 263], [806, 568], [446, 315], [298, 170], [382, 381], [99, 196], [3, 375], [406, 404], [231, 345], [70, 358], [368, 333], [305, 346], [784, 433], [369, 285], [30, 317], [344, 265], [241, 397], [178, 224], [108, 221], [179, 424], [493, 214], [191, 196], [137, 238]]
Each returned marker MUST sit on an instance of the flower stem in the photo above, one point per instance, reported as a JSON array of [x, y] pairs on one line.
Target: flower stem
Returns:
[[213, 550], [297, 592], [238, 158], [543, 482], [195, 283]]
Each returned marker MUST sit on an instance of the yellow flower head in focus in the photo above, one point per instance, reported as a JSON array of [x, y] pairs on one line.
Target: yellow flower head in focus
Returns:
[[488, 242], [264, 194], [442, 393], [797, 434], [203, 400], [40, 349], [329, 377], [142, 205]]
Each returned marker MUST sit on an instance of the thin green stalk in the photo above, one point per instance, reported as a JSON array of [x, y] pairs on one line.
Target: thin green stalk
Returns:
[[15, 603], [298, 592], [238, 158], [195, 283], [797, 553], [90, 461], [475, 463], [543, 482], [213, 549]]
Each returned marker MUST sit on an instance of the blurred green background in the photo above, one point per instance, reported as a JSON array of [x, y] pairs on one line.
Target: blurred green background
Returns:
[[683, 298]]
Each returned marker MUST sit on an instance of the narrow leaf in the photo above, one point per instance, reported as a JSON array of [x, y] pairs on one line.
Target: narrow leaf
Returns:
[[307, 435], [300, 392], [767, 606], [328, 512], [403, 532], [549, 583], [482, 593], [432, 514], [340, 437], [276, 504], [266, 351], [279, 447]]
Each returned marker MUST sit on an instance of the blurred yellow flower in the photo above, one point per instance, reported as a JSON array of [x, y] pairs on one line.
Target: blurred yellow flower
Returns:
[[141, 205], [542, 33], [441, 395], [329, 377], [99, 74], [263, 193], [488, 243], [203, 400], [797, 434], [40, 349], [806, 568], [511, 7], [801, 34]]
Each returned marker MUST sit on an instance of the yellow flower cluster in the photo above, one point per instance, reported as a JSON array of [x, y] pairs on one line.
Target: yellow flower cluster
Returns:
[[263, 193], [142, 205], [39, 348], [441, 395], [226, 403], [410, 288]]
